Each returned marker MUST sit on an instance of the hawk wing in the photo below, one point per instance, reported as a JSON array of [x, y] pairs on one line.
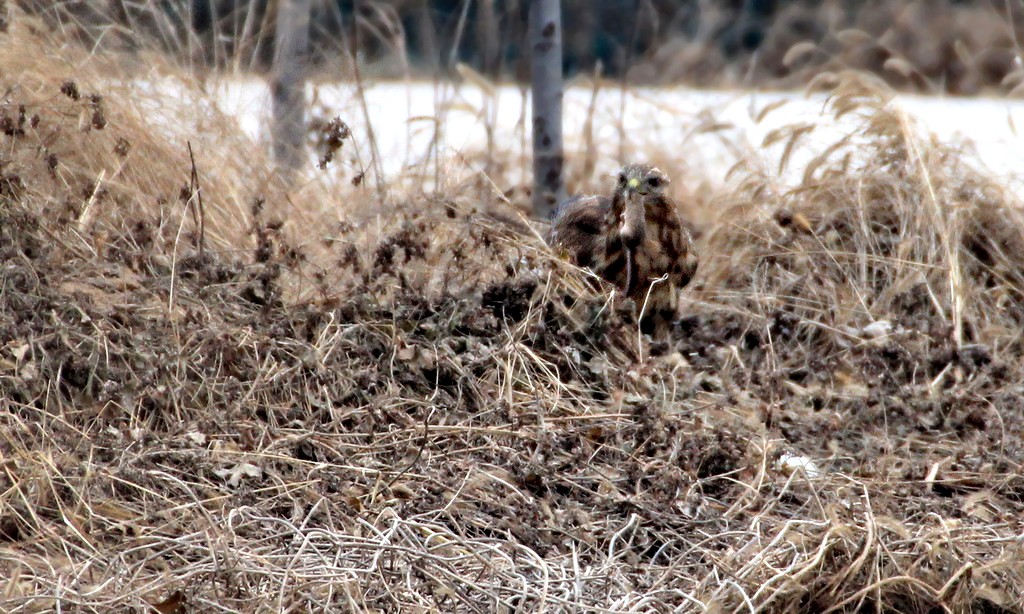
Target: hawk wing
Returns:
[[578, 229], [686, 263], [675, 240], [667, 251]]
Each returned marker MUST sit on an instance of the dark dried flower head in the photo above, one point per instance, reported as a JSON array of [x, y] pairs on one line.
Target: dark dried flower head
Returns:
[[122, 147], [70, 89]]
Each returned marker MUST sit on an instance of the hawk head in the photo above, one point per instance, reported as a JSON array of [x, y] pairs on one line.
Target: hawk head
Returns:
[[637, 183]]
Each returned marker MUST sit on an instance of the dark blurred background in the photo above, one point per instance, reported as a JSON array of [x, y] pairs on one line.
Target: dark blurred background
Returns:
[[956, 46]]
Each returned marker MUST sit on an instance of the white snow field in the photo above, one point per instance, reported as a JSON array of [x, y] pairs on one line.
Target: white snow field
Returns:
[[667, 123]]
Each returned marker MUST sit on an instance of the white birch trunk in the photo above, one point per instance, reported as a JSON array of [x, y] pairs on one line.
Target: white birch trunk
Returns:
[[546, 63], [288, 80]]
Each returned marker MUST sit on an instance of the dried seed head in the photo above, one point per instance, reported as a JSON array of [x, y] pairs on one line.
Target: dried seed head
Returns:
[[332, 136], [98, 122], [70, 89], [122, 147]]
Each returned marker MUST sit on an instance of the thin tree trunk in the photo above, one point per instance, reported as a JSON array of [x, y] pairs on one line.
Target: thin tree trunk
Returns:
[[291, 46], [488, 40], [546, 60], [426, 31]]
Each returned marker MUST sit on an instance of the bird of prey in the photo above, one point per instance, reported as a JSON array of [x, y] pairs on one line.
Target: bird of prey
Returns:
[[634, 239]]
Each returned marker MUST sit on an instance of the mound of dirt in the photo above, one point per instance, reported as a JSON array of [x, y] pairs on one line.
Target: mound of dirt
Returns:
[[149, 383], [444, 416], [878, 297]]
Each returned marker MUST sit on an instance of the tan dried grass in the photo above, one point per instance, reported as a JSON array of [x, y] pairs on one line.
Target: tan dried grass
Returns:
[[449, 418]]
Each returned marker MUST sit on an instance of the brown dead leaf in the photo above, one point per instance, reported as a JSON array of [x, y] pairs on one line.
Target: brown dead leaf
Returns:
[[18, 351], [900, 66], [852, 36], [978, 505], [798, 52], [1017, 90], [174, 604], [401, 491], [1012, 78], [112, 510]]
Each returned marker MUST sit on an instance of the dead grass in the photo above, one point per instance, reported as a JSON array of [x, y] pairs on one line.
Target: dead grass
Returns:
[[430, 412], [931, 46]]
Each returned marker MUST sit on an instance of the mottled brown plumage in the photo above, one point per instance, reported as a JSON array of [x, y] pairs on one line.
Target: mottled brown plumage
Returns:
[[634, 239]]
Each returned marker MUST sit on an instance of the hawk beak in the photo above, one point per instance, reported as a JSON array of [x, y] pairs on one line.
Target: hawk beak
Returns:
[[633, 183], [631, 230]]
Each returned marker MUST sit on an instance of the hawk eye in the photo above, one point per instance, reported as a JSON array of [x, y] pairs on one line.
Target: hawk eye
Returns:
[[622, 178], [654, 182]]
